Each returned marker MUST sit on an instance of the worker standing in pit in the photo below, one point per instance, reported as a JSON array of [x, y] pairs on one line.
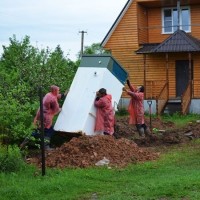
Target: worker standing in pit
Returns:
[[136, 108], [104, 115]]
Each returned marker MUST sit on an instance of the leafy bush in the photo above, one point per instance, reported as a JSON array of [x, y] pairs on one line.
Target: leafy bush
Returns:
[[23, 70], [10, 159], [122, 112]]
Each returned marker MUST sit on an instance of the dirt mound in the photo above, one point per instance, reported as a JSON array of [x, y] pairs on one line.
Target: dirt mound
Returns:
[[86, 151], [124, 129], [124, 148], [166, 132]]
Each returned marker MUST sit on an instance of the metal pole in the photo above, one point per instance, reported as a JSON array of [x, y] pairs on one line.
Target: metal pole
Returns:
[[149, 103], [42, 131], [82, 40], [178, 13]]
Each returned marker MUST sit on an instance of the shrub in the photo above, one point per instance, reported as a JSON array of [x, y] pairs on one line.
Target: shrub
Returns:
[[122, 112], [10, 159]]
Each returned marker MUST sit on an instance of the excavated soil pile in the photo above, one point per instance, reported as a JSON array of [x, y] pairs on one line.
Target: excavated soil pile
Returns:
[[86, 151], [124, 148], [166, 134], [124, 129]]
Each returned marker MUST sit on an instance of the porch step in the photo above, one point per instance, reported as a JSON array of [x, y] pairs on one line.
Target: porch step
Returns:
[[172, 106]]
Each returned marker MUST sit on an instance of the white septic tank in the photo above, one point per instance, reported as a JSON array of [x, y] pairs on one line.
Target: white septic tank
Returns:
[[95, 71]]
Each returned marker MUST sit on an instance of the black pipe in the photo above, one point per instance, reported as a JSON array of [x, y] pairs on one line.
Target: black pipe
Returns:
[[42, 131]]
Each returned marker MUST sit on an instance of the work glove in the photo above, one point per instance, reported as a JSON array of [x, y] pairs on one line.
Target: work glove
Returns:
[[97, 98], [128, 83], [124, 89], [63, 95]]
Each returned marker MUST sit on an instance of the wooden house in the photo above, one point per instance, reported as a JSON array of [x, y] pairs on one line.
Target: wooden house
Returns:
[[158, 43]]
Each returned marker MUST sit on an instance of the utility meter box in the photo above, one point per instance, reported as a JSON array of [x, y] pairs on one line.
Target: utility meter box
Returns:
[[95, 71]]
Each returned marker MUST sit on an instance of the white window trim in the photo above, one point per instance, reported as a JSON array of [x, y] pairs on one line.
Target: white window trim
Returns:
[[182, 7]]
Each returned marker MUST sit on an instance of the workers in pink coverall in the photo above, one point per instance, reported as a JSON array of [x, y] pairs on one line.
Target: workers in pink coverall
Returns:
[[136, 108], [50, 109], [104, 114]]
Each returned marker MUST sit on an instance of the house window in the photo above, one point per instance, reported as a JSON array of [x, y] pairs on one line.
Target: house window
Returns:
[[170, 19]]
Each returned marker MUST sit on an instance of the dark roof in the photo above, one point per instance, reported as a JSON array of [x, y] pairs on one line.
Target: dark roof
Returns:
[[147, 48], [179, 41]]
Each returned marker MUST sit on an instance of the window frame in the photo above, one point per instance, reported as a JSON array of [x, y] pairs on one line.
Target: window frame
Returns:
[[180, 18]]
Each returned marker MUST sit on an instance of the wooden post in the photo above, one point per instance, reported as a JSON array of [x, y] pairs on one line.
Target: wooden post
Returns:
[[190, 73], [167, 73], [145, 96]]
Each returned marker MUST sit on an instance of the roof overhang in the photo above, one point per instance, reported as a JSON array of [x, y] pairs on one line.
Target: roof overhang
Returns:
[[179, 41], [165, 3]]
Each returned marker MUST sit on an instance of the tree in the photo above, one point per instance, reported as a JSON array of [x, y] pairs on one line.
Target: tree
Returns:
[[95, 48], [23, 68]]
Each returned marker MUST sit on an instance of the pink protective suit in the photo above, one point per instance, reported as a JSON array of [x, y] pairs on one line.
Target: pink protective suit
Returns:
[[50, 108], [136, 107], [104, 115]]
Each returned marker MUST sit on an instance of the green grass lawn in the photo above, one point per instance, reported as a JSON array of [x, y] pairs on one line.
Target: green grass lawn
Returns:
[[181, 120], [176, 175]]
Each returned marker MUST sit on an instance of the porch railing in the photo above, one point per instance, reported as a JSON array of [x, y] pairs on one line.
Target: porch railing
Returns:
[[153, 88], [186, 98], [162, 99], [158, 90], [196, 89]]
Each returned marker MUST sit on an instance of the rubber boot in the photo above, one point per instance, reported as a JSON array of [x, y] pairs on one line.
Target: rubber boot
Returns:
[[147, 132], [141, 132], [47, 143]]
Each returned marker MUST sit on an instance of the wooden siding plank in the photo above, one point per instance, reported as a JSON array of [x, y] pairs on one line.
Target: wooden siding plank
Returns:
[[127, 37]]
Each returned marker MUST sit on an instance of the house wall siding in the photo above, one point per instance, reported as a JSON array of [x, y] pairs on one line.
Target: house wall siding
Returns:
[[196, 75], [195, 20], [131, 32], [124, 42], [142, 25], [155, 24]]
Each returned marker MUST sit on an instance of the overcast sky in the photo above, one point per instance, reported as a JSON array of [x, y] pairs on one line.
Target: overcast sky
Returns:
[[58, 22]]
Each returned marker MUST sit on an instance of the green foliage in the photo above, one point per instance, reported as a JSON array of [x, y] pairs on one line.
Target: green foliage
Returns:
[[23, 69], [95, 48], [15, 111], [181, 120], [122, 112], [10, 159]]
